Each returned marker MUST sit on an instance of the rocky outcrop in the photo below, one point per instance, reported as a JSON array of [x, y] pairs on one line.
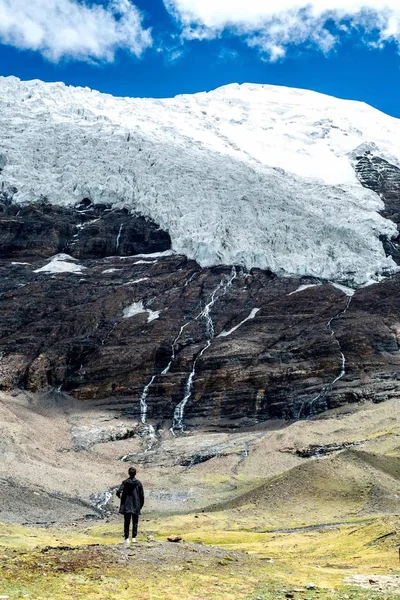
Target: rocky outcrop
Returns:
[[84, 437], [320, 451], [377, 174], [86, 231]]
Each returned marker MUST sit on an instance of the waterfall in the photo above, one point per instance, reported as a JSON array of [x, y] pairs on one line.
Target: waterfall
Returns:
[[118, 237], [167, 368], [177, 421], [342, 373], [79, 227], [179, 410], [143, 400]]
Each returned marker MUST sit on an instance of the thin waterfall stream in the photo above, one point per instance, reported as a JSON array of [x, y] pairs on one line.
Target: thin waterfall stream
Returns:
[[178, 416], [143, 400], [117, 243], [204, 314], [327, 388]]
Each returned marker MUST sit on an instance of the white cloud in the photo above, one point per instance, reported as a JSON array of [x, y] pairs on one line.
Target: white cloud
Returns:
[[72, 28], [273, 26]]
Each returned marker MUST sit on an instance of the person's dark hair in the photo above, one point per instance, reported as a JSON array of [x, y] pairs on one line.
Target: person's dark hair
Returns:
[[132, 472]]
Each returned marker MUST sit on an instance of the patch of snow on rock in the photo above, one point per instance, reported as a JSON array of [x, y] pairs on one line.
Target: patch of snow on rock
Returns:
[[153, 315], [343, 288], [61, 263], [134, 281], [304, 287], [137, 308], [155, 254], [251, 316]]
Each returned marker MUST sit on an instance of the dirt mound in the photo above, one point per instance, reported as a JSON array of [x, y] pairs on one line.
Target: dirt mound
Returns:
[[350, 483]]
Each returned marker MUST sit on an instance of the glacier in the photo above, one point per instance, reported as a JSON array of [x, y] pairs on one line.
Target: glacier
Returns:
[[251, 175]]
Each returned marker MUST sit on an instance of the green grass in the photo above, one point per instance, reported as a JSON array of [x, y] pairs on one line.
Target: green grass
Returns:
[[93, 569]]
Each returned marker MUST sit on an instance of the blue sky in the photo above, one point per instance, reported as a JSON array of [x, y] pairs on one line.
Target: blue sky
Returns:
[[166, 47]]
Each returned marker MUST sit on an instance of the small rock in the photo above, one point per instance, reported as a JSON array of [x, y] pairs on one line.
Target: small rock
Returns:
[[311, 586], [174, 538], [289, 595]]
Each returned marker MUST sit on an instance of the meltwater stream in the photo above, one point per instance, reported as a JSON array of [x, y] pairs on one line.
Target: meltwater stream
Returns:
[[177, 421], [145, 393], [204, 314], [119, 237], [311, 403], [143, 400]]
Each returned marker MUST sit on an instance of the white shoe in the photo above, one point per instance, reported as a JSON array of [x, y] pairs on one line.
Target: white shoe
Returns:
[[134, 540], [126, 543]]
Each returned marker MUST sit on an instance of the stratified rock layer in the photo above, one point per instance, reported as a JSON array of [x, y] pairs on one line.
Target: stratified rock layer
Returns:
[[258, 347], [84, 231], [124, 323]]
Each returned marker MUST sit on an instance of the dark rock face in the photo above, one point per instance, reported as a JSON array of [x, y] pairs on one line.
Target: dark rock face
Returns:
[[314, 451], [87, 231], [215, 347], [379, 175]]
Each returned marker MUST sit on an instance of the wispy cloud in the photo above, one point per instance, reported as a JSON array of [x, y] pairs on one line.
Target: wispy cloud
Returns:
[[274, 26], [227, 54], [73, 29]]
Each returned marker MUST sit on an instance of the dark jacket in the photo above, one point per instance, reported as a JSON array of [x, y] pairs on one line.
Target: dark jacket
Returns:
[[132, 496]]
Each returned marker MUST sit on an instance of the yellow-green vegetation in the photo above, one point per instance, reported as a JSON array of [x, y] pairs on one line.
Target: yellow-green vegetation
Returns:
[[218, 559], [256, 541]]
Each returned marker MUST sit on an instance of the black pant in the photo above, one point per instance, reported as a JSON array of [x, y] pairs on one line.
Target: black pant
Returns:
[[127, 522]]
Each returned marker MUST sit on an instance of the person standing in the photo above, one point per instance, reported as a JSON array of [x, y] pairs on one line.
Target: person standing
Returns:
[[131, 495]]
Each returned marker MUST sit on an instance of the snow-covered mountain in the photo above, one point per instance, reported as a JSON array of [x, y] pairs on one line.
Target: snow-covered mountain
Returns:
[[255, 175]]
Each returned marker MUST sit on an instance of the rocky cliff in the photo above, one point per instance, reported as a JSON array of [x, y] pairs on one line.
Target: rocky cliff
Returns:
[[95, 304], [214, 260]]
